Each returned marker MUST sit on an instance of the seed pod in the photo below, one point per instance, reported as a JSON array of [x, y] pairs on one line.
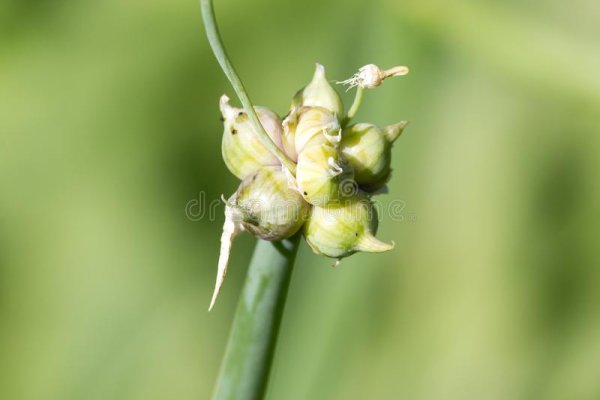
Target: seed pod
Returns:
[[316, 123], [268, 207], [306, 124], [341, 229], [242, 151], [323, 175], [319, 93], [368, 149]]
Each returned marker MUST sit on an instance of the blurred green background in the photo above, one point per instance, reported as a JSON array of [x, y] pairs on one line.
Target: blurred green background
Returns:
[[109, 127]]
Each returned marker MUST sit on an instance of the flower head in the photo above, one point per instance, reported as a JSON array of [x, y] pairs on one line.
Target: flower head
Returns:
[[335, 169]]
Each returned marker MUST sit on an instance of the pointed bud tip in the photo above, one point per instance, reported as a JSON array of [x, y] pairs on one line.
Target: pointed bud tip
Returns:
[[226, 109], [224, 101], [400, 70], [319, 93], [319, 71], [369, 243], [393, 132]]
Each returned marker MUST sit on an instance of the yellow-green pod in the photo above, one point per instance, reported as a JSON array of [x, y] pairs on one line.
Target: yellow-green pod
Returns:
[[322, 174], [368, 149], [343, 228], [242, 151], [315, 122], [304, 124], [319, 93], [267, 207]]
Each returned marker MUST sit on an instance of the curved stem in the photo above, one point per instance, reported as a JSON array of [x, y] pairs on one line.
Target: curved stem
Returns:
[[212, 32], [247, 361], [355, 104]]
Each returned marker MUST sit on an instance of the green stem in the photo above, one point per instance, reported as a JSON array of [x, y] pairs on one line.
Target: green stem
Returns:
[[245, 368], [212, 32], [247, 361], [355, 104]]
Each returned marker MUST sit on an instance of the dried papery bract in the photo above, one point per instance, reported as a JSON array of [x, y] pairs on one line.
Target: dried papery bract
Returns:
[[263, 205], [231, 228]]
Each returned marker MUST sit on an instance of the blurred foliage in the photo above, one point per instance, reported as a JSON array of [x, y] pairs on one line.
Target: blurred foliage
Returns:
[[109, 126]]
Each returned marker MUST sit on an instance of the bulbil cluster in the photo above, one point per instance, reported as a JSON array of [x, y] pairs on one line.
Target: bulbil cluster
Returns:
[[338, 167]]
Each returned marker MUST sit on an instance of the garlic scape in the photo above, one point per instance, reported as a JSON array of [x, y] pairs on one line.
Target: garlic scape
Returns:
[[242, 151], [331, 171], [343, 228], [297, 175]]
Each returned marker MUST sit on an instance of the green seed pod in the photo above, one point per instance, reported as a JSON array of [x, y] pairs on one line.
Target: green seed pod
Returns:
[[303, 124], [368, 149], [343, 228], [319, 93], [242, 151], [323, 175], [267, 206]]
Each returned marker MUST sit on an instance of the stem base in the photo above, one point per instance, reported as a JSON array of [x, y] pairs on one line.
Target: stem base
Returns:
[[247, 361]]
